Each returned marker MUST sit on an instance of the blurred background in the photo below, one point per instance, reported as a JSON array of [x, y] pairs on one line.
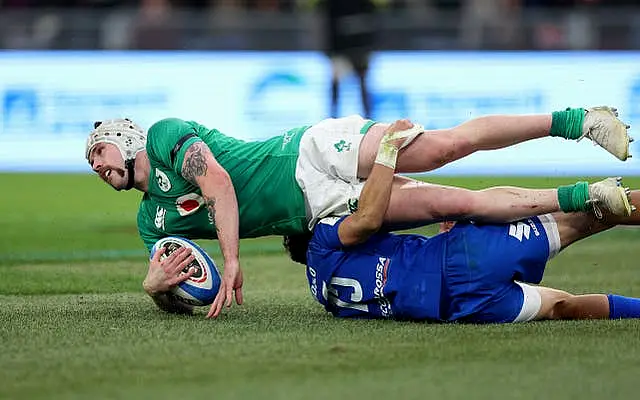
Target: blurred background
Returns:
[[297, 25], [253, 68]]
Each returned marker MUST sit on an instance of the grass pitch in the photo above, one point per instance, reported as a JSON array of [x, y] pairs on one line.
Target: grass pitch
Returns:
[[74, 322]]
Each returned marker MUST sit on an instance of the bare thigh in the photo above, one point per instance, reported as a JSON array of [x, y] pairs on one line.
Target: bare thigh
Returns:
[[414, 203], [428, 151]]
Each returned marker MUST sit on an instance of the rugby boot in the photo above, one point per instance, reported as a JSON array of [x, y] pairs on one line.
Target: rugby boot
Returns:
[[602, 126], [609, 195]]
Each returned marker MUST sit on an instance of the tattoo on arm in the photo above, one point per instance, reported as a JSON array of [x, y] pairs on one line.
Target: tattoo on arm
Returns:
[[210, 203], [194, 163]]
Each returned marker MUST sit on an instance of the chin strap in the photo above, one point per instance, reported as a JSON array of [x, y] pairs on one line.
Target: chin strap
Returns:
[[130, 164]]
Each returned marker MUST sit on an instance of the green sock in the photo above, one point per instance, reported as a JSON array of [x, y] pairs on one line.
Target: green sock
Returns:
[[568, 123], [573, 197]]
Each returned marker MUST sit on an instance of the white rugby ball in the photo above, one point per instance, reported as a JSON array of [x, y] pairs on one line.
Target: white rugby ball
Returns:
[[202, 287]]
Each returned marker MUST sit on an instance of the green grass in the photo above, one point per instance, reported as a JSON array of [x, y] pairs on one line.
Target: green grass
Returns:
[[75, 324]]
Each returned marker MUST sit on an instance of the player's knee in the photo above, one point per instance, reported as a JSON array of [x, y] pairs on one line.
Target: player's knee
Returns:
[[460, 143], [468, 204], [562, 307], [455, 204]]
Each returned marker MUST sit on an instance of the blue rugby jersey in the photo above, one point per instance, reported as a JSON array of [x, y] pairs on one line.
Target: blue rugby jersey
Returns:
[[390, 275]]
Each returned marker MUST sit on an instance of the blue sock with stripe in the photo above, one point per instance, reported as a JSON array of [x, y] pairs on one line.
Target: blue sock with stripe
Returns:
[[623, 307]]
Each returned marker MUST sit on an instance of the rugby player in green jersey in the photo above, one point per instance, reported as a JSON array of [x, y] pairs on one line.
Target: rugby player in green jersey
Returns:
[[199, 183]]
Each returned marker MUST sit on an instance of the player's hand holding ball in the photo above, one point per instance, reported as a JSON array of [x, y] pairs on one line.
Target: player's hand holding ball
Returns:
[[181, 275], [166, 272]]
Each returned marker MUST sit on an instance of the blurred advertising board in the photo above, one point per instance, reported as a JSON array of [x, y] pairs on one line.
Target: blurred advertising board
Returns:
[[49, 100], [445, 89]]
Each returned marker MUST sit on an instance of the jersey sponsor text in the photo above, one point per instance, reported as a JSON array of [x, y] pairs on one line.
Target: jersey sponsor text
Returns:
[[381, 280]]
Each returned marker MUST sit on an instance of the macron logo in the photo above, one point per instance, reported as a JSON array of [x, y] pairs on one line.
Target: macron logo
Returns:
[[519, 230]]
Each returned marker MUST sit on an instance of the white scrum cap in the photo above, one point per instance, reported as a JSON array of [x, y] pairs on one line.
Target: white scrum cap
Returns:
[[126, 135]]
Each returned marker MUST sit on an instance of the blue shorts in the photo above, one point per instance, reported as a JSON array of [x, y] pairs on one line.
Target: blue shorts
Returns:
[[485, 263]]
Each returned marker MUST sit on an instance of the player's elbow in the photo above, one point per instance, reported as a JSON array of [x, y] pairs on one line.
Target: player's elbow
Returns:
[[216, 178], [218, 174], [369, 223]]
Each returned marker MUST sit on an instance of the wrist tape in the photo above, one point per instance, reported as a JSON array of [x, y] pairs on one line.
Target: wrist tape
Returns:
[[387, 155]]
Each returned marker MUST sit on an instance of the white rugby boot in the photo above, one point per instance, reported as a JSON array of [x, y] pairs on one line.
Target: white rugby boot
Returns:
[[611, 196], [601, 124]]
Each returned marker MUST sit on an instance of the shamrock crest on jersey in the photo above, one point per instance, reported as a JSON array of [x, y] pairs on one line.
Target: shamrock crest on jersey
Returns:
[[163, 181]]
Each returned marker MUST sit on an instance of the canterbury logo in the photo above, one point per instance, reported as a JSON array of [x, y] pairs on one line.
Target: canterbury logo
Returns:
[[519, 230], [160, 215]]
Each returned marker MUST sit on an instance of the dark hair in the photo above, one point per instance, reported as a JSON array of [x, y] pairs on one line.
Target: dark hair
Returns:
[[297, 245]]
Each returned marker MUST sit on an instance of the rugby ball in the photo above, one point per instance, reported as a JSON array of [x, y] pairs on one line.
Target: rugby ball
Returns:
[[202, 287]]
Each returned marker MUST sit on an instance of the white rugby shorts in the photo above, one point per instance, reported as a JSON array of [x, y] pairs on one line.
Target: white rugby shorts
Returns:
[[328, 164]]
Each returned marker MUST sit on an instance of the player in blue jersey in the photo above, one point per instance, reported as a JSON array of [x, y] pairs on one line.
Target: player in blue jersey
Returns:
[[479, 273]]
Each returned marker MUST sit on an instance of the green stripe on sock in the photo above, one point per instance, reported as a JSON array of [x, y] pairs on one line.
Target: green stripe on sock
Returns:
[[568, 123], [564, 197], [573, 197], [580, 195]]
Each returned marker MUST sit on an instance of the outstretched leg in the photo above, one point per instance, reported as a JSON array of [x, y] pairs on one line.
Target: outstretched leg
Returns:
[[435, 148], [415, 203]]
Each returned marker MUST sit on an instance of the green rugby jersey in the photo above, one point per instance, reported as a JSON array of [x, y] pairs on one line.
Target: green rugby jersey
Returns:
[[270, 202]]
